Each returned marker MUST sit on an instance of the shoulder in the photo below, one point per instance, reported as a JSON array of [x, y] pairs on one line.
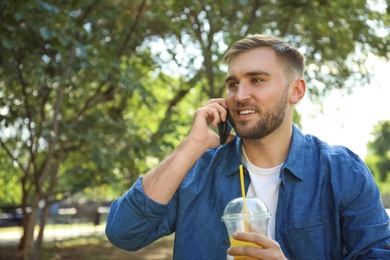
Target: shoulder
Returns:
[[313, 146], [339, 165], [314, 158]]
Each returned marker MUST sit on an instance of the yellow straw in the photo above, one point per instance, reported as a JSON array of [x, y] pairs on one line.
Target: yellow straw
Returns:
[[243, 195], [242, 185]]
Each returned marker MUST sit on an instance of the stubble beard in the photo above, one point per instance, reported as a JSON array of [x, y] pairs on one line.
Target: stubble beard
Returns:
[[268, 122]]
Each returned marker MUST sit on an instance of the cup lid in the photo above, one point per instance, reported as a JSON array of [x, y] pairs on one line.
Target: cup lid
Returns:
[[248, 216], [253, 206]]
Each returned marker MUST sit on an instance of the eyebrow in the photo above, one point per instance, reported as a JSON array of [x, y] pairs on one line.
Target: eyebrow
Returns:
[[249, 74]]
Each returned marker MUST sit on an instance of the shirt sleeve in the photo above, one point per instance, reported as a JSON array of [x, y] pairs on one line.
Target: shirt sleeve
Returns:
[[365, 222], [135, 220]]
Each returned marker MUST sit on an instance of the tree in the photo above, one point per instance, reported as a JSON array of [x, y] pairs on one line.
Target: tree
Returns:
[[95, 93], [61, 79], [378, 158], [329, 39]]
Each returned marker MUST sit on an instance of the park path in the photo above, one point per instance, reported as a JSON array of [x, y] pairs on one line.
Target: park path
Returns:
[[53, 233]]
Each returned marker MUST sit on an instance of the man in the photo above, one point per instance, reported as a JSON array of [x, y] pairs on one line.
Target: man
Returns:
[[323, 200]]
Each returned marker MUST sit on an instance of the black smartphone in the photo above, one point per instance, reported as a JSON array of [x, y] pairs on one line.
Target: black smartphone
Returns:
[[224, 129]]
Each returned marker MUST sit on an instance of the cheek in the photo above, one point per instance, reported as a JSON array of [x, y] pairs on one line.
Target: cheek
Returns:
[[230, 99], [230, 103], [268, 96]]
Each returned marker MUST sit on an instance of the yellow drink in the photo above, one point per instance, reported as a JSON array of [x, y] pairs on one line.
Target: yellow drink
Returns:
[[234, 242]]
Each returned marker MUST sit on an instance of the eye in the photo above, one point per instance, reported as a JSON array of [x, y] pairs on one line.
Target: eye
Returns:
[[257, 80], [231, 84]]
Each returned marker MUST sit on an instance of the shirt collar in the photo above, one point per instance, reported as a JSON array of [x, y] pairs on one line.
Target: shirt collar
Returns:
[[234, 155], [294, 163]]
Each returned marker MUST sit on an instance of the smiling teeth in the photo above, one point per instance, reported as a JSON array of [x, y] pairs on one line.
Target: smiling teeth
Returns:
[[246, 112]]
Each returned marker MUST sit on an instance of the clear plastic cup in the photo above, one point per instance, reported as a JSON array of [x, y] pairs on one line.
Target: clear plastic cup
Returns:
[[254, 219]]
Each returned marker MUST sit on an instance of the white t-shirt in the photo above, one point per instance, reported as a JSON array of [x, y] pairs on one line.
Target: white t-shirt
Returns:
[[264, 185]]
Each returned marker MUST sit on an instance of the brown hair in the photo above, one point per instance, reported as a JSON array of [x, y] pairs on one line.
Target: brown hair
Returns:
[[291, 59]]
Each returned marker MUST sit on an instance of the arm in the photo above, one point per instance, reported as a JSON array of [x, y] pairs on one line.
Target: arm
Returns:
[[365, 223], [147, 211], [161, 183]]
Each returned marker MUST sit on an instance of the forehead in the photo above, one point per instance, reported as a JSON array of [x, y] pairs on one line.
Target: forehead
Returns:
[[259, 59]]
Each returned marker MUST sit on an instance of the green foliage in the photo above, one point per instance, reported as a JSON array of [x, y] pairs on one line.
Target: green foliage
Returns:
[[378, 158], [95, 93], [10, 193], [122, 92], [60, 78], [335, 45]]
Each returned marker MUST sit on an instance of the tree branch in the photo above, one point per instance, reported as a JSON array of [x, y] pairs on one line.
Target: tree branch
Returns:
[[132, 29], [9, 153], [168, 112], [93, 99], [252, 19], [53, 140], [179, 96], [27, 109]]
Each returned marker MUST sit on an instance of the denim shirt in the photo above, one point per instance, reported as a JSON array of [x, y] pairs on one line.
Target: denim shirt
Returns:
[[329, 206]]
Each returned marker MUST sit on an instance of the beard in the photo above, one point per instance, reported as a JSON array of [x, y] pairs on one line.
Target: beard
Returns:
[[268, 121]]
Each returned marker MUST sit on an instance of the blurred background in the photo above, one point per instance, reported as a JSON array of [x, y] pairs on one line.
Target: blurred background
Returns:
[[95, 93]]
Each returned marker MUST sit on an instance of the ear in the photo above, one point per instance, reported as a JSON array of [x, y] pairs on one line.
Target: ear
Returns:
[[298, 89]]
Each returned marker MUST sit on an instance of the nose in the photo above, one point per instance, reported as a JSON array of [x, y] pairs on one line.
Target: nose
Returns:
[[243, 92]]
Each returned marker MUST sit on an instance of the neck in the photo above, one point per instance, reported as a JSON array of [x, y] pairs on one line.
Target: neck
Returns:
[[271, 150]]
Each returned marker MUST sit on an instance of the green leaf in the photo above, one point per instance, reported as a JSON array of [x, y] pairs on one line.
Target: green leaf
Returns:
[[49, 7], [45, 33]]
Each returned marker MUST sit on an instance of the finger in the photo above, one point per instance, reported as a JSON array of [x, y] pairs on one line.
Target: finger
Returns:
[[222, 102], [210, 113], [221, 110], [216, 116], [247, 251], [257, 253], [269, 248], [256, 238]]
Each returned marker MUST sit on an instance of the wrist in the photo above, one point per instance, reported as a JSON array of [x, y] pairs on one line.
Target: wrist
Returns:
[[195, 145]]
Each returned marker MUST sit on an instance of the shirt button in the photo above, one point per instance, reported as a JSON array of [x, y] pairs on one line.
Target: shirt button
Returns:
[[225, 242], [387, 246]]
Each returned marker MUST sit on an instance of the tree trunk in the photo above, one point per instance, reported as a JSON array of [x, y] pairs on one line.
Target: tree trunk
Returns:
[[24, 221], [42, 224], [27, 244]]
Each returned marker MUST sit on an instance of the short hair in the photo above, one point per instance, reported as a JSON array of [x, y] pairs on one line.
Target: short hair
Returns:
[[291, 59]]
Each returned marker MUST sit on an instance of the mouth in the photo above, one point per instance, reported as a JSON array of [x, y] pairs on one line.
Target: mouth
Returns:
[[246, 112]]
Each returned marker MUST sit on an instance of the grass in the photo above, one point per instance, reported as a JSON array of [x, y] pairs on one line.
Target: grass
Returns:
[[7, 230], [95, 247], [99, 248]]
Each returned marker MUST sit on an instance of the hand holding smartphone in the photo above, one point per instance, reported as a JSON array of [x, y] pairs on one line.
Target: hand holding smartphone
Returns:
[[224, 129]]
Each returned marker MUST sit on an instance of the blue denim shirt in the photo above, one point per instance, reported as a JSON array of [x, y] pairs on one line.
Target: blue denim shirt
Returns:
[[329, 206]]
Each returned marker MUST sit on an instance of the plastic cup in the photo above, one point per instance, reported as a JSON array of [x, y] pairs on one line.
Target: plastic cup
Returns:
[[245, 215]]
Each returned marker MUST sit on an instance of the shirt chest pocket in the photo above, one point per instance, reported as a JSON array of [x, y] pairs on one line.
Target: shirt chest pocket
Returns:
[[311, 237], [309, 231]]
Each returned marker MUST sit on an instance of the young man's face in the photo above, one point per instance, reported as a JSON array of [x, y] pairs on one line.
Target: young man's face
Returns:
[[257, 93]]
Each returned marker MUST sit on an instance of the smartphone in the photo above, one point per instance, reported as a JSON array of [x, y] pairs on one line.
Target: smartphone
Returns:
[[224, 129]]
